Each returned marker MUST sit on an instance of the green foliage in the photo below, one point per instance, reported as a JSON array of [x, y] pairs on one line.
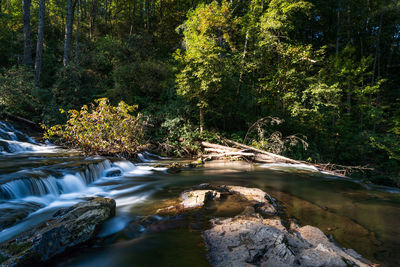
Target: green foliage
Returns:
[[183, 138], [328, 68], [101, 128], [262, 135], [17, 93], [139, 82], [205, 60]]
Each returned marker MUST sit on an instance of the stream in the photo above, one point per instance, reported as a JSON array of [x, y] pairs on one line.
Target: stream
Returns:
[[37, 179]]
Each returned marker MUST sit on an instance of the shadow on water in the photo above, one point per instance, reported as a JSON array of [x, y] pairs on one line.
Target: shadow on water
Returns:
[[365, 220]]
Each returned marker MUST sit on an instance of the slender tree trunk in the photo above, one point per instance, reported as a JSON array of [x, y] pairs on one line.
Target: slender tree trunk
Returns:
[[377, 48], [243, 62], [201, 120], [147, 15], [338, 31], [68, 33], [92, 18], [26, 9], [141, 13], [106, 16], [39, 45], [132, 20], [77, 35]]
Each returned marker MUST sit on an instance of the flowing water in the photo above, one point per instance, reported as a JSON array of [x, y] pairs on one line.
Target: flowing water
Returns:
[[36, 180]]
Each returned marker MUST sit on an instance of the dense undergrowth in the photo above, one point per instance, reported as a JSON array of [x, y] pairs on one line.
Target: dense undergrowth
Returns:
[[199, 70]]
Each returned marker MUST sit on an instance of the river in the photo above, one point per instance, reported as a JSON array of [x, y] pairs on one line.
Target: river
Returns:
[[36, 180]]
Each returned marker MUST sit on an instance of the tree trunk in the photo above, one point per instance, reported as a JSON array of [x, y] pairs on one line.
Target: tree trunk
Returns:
[[243, 62], [106, 16], [39, 45], [201, 120], [338, 31], [92, 18], [141, 14], [26, 8], [147, 15], [68, 33], [377, 48], [77, 35]]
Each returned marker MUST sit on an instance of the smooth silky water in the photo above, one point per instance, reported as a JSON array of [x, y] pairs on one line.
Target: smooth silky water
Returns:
[[36, 180]]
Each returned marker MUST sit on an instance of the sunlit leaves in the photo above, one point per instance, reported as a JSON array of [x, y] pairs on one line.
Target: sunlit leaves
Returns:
[[101, 128]]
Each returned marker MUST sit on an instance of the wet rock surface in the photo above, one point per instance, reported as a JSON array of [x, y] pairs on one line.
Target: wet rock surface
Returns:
[[67, 228], [197, 198], [257, 237], [255, 241]]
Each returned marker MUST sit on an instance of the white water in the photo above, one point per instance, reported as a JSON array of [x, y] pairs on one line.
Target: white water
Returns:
[[290, 167], [32, 191]]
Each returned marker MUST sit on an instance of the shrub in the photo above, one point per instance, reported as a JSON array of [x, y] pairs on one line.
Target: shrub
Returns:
[[17, 92], [102, 128]]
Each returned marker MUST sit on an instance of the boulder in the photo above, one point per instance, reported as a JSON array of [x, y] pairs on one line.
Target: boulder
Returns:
[[68, 228], [255, 241], [197, 198]]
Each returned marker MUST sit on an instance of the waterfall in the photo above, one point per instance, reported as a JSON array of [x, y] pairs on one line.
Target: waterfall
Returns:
[[68, 183], [37, 179], [13, 141]]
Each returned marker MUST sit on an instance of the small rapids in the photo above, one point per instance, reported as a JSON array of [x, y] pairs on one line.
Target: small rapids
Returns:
[[30, 194]]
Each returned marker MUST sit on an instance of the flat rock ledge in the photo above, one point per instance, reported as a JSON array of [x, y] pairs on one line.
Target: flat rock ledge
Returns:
[[205, 192], [255, 241], [68, 228]]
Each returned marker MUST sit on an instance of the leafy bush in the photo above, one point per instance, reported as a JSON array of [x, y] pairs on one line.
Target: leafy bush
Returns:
[[101, 129], [183, 138], [273, 141], [17, 92]]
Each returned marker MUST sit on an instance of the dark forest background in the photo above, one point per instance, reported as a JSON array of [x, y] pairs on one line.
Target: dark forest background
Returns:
[[282, 75]]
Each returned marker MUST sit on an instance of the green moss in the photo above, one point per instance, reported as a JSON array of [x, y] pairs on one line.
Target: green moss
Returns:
[[3, 258], [16, 248]]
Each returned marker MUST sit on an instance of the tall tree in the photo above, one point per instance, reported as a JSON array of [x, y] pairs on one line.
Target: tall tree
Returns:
[[205, 60], [39, 45], [68, 32], [77, 34], [26, 8]]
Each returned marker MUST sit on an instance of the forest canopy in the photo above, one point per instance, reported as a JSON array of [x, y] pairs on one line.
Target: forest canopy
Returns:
[[328, 69]]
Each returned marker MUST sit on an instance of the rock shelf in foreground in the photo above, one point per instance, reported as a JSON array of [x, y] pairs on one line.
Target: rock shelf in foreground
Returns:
[[68, 228], [259, 238], [254, 241]]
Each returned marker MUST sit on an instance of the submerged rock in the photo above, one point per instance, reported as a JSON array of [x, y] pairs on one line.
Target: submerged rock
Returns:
[[68, 228], [266, 204]]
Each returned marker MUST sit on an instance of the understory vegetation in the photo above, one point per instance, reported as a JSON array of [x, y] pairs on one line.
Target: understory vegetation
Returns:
[[313, 80]]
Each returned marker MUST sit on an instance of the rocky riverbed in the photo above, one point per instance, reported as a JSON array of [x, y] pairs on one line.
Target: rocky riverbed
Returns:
[[258, 236], [240, 227]]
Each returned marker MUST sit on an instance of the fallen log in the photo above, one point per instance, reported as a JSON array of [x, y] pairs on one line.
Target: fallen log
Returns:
[[249, 153], [272, 155], [217, 147], [257, 155], [15, 117]]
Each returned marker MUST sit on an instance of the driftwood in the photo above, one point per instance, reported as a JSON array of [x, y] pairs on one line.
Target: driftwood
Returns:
[[271, 155], [246, 152], [341, 169], [241, 151], [15, 117]]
